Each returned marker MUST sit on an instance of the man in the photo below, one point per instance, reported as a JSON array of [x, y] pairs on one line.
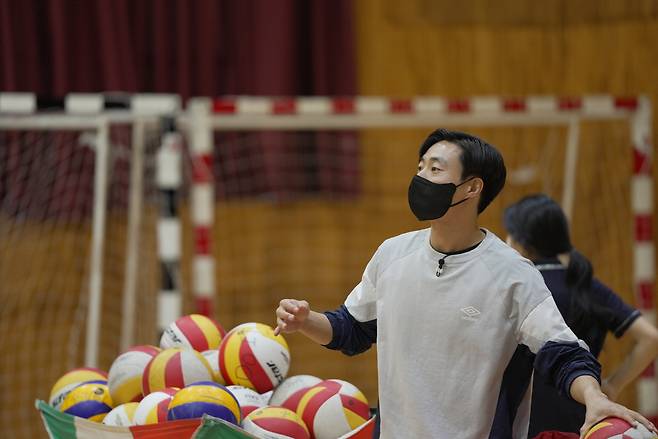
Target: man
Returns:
[[454, 312]]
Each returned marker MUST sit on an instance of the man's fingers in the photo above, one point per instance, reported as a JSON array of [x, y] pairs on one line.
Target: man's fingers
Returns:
[[644, 421], [629, 416], [280, 326], [284, 314], [289, 305], [584, 429], [290, 312]]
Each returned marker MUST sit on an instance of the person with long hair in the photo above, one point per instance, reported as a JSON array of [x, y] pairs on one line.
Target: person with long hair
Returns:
[[538, 229]]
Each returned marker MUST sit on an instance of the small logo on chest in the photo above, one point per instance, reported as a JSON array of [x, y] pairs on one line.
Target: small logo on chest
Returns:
[[471, 313]]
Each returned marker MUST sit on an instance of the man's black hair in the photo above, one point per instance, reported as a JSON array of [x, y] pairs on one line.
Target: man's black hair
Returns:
[[478, 159]]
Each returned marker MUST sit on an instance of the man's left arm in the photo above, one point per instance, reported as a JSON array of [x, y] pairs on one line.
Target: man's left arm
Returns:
[[569, 366]]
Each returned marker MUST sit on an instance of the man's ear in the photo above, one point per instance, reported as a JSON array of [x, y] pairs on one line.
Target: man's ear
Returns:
[[475, 186]]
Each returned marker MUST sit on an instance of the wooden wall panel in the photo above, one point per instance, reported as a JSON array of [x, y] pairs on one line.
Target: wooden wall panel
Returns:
[[522, 48], [317, 248]]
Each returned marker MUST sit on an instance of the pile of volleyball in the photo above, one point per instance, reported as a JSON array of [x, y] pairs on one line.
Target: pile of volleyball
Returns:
[[239, 376]]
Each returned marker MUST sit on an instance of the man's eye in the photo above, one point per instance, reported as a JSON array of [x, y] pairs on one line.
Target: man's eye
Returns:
[[435, 169]]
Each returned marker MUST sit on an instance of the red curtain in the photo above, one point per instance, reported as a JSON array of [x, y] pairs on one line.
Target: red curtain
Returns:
[[200, 47], [192, 48]]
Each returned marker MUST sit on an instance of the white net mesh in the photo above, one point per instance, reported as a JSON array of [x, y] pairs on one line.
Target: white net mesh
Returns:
[[46, 203], [297, 214]]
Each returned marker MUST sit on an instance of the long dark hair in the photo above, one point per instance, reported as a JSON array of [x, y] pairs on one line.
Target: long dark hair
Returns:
[[538, 223]]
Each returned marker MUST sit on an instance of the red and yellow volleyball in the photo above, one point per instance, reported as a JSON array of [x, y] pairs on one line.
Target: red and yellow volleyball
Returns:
[[290, 391], [333, 408], [72, 379], [125, 376], [617, 428], [205, 397], [276, 422], [193, 331], [252, 356], [175, 367], [122, 415], [89, 401], [154, 407]]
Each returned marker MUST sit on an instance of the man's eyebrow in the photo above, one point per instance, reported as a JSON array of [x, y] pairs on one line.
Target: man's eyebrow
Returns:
[[439, 159]]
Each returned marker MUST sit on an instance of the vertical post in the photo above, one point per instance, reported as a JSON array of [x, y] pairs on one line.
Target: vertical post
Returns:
[[132, 241], [644, 275], [570, 165], [97, 239], [202, 205], [169, 180]]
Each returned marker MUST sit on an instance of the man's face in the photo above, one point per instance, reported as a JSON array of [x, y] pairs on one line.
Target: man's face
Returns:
[[441, 163]]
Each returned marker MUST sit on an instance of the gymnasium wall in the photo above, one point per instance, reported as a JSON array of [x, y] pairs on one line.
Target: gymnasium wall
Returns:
[[316, 248]]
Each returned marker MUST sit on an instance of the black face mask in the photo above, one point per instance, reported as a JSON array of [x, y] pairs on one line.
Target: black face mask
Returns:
[[430, 201]]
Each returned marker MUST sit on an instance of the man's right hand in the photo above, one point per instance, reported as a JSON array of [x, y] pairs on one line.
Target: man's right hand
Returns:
[[291, 315]]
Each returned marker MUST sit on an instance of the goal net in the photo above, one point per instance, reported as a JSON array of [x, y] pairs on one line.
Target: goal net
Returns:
[[55, 239], [280, 198], [307, 188]]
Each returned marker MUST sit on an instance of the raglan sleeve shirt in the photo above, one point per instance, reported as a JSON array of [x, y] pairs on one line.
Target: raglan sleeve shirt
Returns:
[[560, 356]]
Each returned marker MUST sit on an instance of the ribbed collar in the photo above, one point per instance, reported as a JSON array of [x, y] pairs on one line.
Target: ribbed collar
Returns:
[[461, 255]]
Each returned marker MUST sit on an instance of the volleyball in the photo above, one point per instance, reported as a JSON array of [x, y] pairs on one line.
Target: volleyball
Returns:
[[205, 397], [212, 357], [276, 422], [290, 391], [252, 356], [125, 376], [333, 408], [153, 408], [193, 331], [248, 399], [175, 367], [617, 428], [72, 379], [90, 401], [121, 415]]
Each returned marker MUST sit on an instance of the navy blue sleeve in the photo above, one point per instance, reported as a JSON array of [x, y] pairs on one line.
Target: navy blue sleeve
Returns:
[[350, 336], [621, 315], [559, 363]]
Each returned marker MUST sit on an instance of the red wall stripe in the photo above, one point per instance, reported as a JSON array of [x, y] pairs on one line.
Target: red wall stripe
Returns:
[[284, 106], [202, 168], [641, 163], [227, 106], [343, 105], [202, 240], [514, 105], [628, 103], [569, 103], [204, 306], [644, 228], [459, 106], [401, 106], [644, 295]]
